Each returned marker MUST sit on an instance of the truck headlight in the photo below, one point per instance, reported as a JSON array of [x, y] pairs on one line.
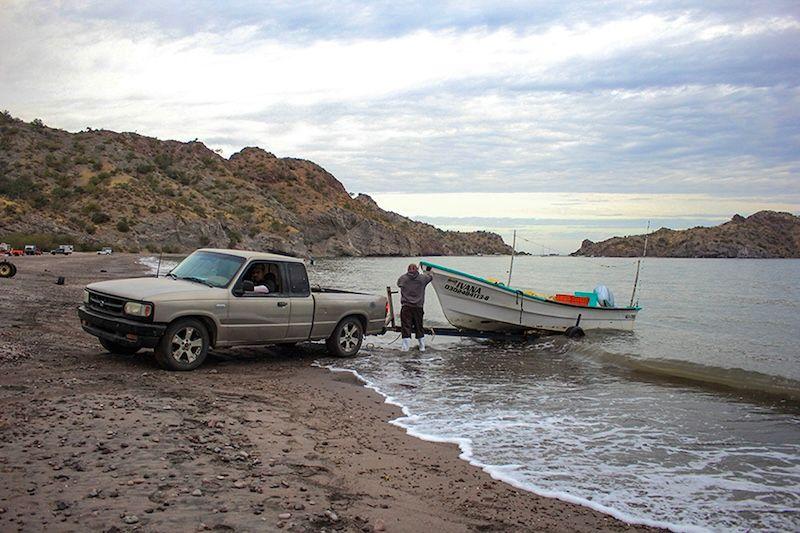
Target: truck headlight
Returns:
[[137, 309], [85, 296]]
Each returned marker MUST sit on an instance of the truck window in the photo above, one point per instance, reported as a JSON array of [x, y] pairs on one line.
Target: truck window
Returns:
[[298, 279]]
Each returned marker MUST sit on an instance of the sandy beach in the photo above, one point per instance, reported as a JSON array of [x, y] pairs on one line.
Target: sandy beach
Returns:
[[256, 439]]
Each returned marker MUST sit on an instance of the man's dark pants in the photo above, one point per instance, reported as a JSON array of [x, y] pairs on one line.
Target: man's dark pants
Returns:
[[411, 320]]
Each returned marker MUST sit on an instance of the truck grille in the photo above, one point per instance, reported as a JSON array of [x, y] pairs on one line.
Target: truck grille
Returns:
[[106, 304]]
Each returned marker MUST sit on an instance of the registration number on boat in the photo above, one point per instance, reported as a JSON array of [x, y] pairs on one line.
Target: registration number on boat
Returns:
[[465, 289]]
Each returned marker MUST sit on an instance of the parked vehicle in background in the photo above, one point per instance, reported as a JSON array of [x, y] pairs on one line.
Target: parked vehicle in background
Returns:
[[105, 251], [63, 249], [16, 252], [218, 298], [4, 248], [32, 249]]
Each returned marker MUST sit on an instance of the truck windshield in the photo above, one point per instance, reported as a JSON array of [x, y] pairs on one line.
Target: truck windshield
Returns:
[[210, 268]]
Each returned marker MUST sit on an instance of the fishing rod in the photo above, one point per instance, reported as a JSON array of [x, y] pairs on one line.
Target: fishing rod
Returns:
[[513, 250], [639, 264]]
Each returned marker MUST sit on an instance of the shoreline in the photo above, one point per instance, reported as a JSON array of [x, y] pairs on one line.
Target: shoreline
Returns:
[[466, 455], [254, 439]]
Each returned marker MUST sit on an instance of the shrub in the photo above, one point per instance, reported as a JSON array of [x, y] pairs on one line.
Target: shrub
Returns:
[[100, 217], [60, 192], [97, 165], [46, 241], [38, 123], [144, 169], [15, 188], [64, 180], [235, 238], [123, 226], [163, 161], [39, 200]]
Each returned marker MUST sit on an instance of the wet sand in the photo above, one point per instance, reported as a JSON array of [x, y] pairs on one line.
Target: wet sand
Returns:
[[254, 440]]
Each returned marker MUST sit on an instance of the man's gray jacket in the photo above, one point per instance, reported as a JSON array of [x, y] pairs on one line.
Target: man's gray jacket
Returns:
[[412, 288]]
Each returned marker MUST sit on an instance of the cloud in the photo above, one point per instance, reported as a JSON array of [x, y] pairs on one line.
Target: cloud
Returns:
[[648, 97]]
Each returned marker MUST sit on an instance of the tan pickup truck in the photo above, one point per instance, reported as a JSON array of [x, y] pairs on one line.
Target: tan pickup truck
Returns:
[[219, 298]]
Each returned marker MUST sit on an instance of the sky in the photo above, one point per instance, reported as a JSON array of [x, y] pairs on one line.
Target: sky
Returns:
[[564, 120]]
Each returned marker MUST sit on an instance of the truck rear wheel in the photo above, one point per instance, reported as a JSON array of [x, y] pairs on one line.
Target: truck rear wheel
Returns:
[[113, 347], [345, 341], [184, 345]]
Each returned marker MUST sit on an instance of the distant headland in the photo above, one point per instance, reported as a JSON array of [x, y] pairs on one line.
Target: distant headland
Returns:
[[766, 234]]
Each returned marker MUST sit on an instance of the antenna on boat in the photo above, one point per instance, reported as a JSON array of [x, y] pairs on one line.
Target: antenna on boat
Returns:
[[639, 264], [160, 255], [513, 249]]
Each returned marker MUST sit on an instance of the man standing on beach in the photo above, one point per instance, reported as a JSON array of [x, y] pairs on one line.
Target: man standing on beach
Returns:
[[412, 299]]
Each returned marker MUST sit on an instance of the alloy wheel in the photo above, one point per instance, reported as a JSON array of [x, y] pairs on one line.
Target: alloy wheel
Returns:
[[187, 343], [349, 337]]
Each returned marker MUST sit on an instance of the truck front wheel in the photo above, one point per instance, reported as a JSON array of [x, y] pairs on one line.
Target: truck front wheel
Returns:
[[113, 347], [184, 345], [346, 338]]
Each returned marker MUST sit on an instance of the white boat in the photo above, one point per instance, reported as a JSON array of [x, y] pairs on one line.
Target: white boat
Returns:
[[480, 304]]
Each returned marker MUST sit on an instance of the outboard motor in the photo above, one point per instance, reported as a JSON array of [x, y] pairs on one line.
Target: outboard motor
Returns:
[[604, 296]]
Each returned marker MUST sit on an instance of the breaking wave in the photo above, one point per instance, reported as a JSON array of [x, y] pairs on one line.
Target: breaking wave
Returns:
[[739, 379]]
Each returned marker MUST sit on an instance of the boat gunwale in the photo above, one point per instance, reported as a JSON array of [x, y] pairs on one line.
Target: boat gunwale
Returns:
[[519, 292]]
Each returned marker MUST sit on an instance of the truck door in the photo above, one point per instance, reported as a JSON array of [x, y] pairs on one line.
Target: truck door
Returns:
[[302, 315], [260, 316]]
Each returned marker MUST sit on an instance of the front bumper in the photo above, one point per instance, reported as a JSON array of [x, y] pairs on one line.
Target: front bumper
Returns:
[[119, 330]]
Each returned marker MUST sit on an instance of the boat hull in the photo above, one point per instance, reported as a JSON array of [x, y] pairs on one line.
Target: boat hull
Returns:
[[472, 303]]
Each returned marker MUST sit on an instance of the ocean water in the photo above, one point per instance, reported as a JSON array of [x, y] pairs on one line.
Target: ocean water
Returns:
[[690, 422]]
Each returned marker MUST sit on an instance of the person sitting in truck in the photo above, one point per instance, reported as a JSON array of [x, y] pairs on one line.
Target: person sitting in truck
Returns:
[[258, 277]]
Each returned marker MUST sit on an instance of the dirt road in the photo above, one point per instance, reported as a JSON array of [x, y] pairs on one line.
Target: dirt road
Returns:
[[254, 440]]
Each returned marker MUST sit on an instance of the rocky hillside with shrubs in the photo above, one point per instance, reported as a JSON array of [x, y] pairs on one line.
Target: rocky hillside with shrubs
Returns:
[[766, 234], [102, 188]]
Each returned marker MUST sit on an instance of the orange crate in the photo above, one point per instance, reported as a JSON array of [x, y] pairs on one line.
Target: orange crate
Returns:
[[571, 299]]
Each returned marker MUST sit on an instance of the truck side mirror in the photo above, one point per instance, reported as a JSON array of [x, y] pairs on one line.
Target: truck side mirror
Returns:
[[243, 287]]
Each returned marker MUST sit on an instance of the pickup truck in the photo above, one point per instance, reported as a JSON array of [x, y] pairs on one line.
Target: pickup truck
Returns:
[[221, 298]]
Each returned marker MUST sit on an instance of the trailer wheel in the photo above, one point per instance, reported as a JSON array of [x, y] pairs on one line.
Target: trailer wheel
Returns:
[[184, 345], [574, 332], [113, 347], [7, 270], [345, 341]]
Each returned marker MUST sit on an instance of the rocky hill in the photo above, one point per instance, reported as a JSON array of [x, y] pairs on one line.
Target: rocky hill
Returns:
[[102, 188], [766, 234]]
